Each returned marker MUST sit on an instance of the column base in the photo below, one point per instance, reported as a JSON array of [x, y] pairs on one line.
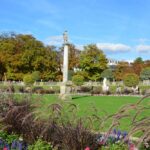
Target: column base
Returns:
[[64, 92]]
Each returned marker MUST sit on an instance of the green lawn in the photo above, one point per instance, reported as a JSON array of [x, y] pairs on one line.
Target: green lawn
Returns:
[[103, 104]]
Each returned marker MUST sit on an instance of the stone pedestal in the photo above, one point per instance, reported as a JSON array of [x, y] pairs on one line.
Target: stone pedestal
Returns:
[[65, 92]]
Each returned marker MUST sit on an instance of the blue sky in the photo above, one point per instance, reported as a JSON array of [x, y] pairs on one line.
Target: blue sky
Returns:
[[120, 27]]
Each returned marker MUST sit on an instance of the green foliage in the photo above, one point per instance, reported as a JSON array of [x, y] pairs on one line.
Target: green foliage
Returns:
[[28, 79], [138, 60], [107, 74], [40, 145], [73, 57], [93, 61], [9, 138], [144, 147], [97, 90], [21, 54], [143, 89], [145, 74], [78, 80], [82, 73], [131, 80], [36, 75], [116, 146], [70, 74]]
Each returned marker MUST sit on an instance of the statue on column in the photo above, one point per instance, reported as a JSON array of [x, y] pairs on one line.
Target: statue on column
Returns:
[[65, 37]]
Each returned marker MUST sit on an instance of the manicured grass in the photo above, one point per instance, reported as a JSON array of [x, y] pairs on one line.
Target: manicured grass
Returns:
[[104, 104]]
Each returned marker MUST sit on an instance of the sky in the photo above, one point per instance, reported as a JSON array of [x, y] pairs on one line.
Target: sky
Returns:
[[121, 28]]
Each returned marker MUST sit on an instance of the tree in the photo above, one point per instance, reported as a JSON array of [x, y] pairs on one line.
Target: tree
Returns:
[[28, 79], [107, 74], [138, 65], [145, 74], [131, 80], [36, 75], [2, 70], [73, 57], [23, 54], [93, 61], [147, 63], [78, 80], [138, 60], [122, 68]]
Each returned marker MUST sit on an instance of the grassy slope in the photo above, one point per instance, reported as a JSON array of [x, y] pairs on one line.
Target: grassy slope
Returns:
[[109, 104]]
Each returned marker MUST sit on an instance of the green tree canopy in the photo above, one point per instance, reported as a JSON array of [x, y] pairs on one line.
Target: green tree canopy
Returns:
[[138, 60], [131, 80], [22, 54], [93, 61], [78, 80], [145, 74], [108, 73]]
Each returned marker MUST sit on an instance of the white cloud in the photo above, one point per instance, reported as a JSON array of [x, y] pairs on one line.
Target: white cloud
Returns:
[[111, 47], [143, 48], [50, 24], [80, 47], [143, 40], [54, 40]]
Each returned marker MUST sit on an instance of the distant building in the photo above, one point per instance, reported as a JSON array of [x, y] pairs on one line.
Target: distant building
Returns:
[[112, 63]]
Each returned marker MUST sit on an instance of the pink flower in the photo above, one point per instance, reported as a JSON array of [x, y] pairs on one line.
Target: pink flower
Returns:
[[87, 148], [5, 148], [101, 143], [132, 147]]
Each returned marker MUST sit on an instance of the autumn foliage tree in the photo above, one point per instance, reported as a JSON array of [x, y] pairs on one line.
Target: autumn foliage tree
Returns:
[[22, 54], [74, 55], [121, 69], [137, 65], [93, 61]]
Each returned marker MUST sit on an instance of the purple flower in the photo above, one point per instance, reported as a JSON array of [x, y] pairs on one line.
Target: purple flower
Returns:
[[1, 142], [14, 144], [124, 134], [118, 134], [20, 146], [114, 131]]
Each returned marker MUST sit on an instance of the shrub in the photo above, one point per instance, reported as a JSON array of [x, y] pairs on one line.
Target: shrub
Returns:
[[40, 144], [127, 91], [84, 89], [56, 89], [11, 89], [36, 75], [78, 80], [144, 89], [9, 138], [21, 89], [61, 128], [131, 80], [145, 74], [112, 89], [41, 90], [96, 90], [28, 79], [11, 142], [107, 74], [37, 89], [116, 146]]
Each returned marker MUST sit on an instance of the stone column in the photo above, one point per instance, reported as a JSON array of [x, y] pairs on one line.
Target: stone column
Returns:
[[64, 94], [65, 64]]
